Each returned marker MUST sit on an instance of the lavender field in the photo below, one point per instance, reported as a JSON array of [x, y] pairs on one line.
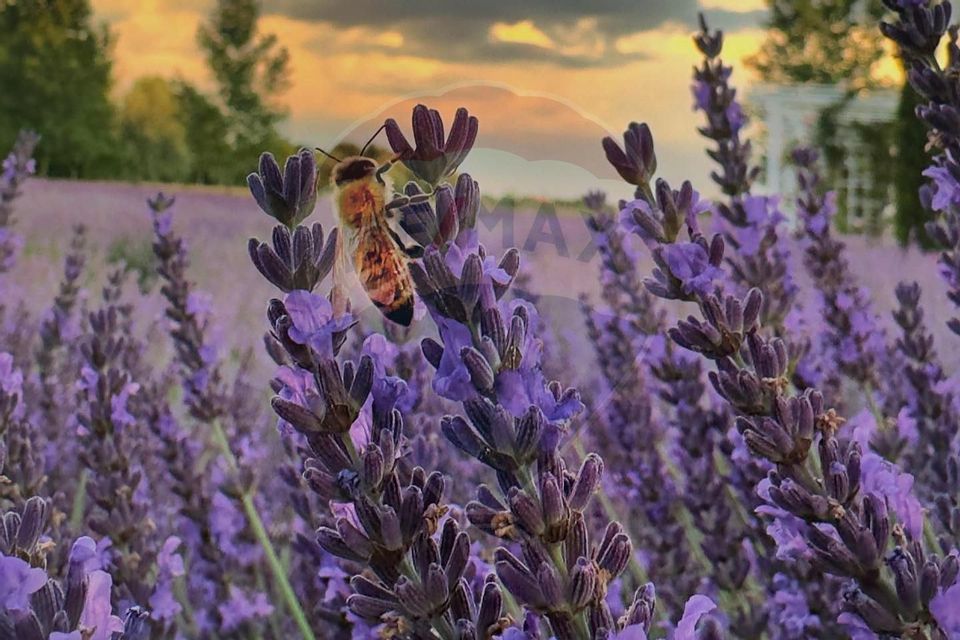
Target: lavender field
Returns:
[[422, 413], [216, 223]]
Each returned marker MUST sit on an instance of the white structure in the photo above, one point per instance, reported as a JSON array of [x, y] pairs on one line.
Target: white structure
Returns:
[[789, 114]]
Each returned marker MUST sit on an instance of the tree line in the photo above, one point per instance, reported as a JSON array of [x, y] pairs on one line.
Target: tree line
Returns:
[[56, 77]]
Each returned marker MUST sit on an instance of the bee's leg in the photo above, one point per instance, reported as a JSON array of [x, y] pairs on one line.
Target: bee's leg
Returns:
[[382, 169], [396, 203], [403, 201], [413, 251]]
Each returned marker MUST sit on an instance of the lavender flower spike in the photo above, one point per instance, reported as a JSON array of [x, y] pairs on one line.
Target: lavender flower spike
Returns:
[[291, 196], [434, 158], [635, 162], [846, 529]]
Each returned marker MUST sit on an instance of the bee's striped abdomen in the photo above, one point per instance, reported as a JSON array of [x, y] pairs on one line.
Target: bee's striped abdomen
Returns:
[[383, 272]]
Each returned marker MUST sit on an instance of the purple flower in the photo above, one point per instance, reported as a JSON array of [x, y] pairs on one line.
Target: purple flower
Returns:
[[11, 380], [520, 389], [689, 263], [789, 609], [299, 387], [695, 608], [387, 390], [945, 608], [886, 479], [467, 243], [452, 380], [86, 554], [633, 632], [18, 580], [97, 617], [118, 405], [701, 95], [946, 189], [242, 607], [856, 627], [786, 529], [163, 603], [313, 321]]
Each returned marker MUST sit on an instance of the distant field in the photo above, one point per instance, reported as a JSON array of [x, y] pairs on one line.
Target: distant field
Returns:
[[217, 223]]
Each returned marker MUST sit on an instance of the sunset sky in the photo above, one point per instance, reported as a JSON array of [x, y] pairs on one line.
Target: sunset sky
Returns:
[[547, 78]]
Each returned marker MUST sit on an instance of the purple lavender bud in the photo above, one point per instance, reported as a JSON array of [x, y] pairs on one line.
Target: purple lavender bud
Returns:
[[614, 552], [642, 608], [527, 512], [529, 429], [33, 521], [411, 511], [515, 576], [555, 510], [290, 198], [136, 624], [435, 585], [876, 519], [550, 586], [333, 543], [433, 158], [491, 604], [432, 351], [636, 162], [577, 544], [447, 215], [905, 578], [929, 581], [481, 374], [457, 559], [370, 608], [949, 569], [583, 583], [587, 482], [470, 280], [877, 618], [467, 197]]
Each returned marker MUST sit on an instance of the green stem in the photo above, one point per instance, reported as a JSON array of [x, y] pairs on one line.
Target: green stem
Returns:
[[872, 404], [79, 502], [930, 535], [260, 533]]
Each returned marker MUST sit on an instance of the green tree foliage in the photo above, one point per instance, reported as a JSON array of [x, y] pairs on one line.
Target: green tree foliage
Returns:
[[154, 132], [822, 41], [912, 159], [251, 70], [207, 131], [55, 78]]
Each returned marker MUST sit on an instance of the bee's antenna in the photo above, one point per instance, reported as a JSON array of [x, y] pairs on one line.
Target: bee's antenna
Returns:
[[331, 156], [373, 137]]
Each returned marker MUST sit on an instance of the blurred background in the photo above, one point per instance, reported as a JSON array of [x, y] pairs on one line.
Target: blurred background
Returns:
[[183, 95]]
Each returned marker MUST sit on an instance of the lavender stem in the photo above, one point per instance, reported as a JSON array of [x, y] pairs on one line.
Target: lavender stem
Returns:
[[260, 533]]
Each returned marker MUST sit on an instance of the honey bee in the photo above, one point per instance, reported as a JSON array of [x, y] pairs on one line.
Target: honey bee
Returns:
[[379, 256]]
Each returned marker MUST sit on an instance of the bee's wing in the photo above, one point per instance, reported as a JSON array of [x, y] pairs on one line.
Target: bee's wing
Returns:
[[346, 246]]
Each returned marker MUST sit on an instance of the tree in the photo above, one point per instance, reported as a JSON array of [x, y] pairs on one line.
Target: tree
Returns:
[[822, 41], [154, 132], [912, 158], [212, 158], [55, 78], [251, 70]]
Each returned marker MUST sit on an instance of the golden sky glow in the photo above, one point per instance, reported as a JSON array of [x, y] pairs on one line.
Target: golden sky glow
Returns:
[[538, 110]]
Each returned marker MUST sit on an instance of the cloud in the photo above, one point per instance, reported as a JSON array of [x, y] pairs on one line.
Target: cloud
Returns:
[[566, 33], [546, 107]]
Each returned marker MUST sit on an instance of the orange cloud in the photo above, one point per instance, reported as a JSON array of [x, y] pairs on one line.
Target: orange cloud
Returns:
[[344, 76]]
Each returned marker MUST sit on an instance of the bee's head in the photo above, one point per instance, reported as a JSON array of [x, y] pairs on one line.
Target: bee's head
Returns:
[[353, 168]]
